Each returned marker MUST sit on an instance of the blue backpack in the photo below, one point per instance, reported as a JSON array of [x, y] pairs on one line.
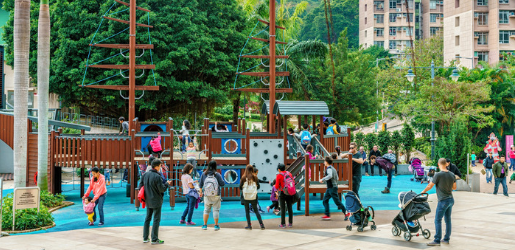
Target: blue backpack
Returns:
[[330, 130], [305, 137]]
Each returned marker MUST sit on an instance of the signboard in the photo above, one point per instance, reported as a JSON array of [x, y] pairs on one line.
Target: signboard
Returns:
[[509, 142], [25, 197]]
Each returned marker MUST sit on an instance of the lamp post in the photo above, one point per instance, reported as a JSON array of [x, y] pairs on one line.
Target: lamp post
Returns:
[[455, 76]]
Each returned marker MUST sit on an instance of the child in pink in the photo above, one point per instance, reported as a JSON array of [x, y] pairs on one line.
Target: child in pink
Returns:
[[89, 209], [156, 144], [309, 151]]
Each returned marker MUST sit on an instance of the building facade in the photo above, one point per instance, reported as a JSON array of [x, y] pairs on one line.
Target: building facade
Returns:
[[479, 30], [385, 22]]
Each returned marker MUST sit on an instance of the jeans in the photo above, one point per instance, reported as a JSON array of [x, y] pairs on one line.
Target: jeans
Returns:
[[504, 187], [185, 140], [107, 175], [190, 201], [247, 211], [332, 193], [389, 174], [512, 164], [443, 210], [473, 163], [372, 169], [192, 162], [286, 203], [356, 182], [155, 226], [488, 175], [100, 205], [366, 166]]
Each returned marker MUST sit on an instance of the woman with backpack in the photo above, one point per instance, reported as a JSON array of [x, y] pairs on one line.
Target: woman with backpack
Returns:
[[210, 182], [285, 184], [249, 185]]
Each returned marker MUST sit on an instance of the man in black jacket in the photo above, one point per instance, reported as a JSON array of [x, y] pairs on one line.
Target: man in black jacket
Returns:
[[154, 192], [488, 163], [377, 153], [453, 169]]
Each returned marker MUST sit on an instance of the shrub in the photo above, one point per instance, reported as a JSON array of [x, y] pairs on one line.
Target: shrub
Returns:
[[359, 138], [25, 219], [50, 200], [455, 144], [370, 141], [383, 141], [408, 139]]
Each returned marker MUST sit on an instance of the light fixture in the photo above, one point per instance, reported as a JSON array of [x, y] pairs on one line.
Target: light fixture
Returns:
[[455, 76], [410, 76]]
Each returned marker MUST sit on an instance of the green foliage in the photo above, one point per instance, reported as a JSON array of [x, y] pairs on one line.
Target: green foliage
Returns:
[[396, 142], [360, 140], [378, 52], [408, 139], [383, 141], [50, 200], [71, 131], [370, 141], [455, 145], [225, 110], [25, 219]]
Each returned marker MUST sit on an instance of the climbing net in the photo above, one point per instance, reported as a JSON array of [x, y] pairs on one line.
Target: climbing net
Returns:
[[283, 64], [122, 53]]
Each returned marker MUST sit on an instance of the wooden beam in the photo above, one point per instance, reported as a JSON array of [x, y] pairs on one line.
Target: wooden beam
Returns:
[[263, 74], [266, 40], [123, 87], [123, 46], [114, 66], [267, 23], [127, 22], [264, 56], [126, 4], [263, 90]]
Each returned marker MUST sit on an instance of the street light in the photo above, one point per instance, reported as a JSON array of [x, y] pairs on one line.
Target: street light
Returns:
[[455, 76], [410, 76]]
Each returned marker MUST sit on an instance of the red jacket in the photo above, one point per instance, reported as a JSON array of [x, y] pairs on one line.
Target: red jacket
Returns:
[[156, 144], [141, 197], [279, 181]]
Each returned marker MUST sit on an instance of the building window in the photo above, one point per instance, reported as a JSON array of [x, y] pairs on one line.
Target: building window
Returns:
[[410, 16], [481, 55], [393, 44], [365, 20], [482, 38], [410, 4], [504, 16], [504, 1], [365, 7], [379, 43], [379, 18], [409, 31], [432, 17], [393, 17], [504, 36], [379, 32], [482, 18], [432, 4], [457, 40], [457, 3], [457, 21], [434, 30], [379, 5], [393, 4], [482, 2], [393, 31]]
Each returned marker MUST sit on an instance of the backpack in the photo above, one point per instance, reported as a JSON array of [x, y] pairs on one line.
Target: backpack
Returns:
[[289, 184], [330, 130], [390, 157], [249, 191], [305, 137], [211, 186]]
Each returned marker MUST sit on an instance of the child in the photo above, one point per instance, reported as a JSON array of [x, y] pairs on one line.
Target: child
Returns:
[[89, 209], [190, 154], [331, 178], [332, 129], [309, 151], [156, 144], [304, 136], [185, 137], [473, 158], [274, 197]]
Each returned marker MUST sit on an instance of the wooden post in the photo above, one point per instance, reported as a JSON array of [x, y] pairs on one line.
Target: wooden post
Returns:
[[81, 182], [172, 196], [322, 129], [51, 162], [306, 185], [132, 65], [247, 143], [314, 123], [285, 141], [239, 125], [244, 126], [271, 124], [300, 122], [132, 170]]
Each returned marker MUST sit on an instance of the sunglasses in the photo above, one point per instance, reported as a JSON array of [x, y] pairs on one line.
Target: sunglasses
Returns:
[[351, 147]]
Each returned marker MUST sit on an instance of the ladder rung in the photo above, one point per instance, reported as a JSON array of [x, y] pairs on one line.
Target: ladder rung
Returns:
[[123, 46], [126, 66], [266, 40], [127, 22], [263, 74], [264, 56], [267, 23], [127, 4]]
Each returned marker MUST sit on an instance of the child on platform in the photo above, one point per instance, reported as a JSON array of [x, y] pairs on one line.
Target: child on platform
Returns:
[[156, 144], [89, 209], [190, 154]]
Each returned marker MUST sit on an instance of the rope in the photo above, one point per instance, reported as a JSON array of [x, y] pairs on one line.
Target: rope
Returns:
[[110, 57], [118, 12], [112, 36], [250, 84], [253, 67], [107, 78], [150, 42]]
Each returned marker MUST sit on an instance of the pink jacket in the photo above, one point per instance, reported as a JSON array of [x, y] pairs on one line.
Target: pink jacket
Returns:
[[88, 208], [98, 188], [512, 154], [156, 144]]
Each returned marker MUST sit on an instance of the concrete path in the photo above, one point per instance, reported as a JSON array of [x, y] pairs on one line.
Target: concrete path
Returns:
[[480, 221]]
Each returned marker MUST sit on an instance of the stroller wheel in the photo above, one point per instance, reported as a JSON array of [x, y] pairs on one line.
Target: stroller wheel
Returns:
[[360, 229], [373, 227], [395, 231], [349, 228], [411, 179], [426, 233], [407, 236]]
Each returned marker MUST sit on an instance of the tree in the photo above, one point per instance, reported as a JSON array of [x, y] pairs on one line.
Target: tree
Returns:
[[370, 141], [360, 139], [383, 141], [395, 142], [43, 79], [21, 38], [455, 144], [408, 139]]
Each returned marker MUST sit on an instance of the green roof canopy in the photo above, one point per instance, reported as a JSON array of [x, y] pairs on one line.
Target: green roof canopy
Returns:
[[297, 108]]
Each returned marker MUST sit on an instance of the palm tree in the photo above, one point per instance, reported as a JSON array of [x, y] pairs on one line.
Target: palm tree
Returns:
[[21, 85], [43, 80]]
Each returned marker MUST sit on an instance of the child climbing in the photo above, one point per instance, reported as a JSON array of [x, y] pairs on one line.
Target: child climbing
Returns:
[[305, 136], [89, 208], [185, 137], [156, 144], [309, 151]]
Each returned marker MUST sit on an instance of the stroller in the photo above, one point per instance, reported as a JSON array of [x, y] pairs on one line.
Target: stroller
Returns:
[[430, 174], [413, 207], [360, 216], [418, 170]]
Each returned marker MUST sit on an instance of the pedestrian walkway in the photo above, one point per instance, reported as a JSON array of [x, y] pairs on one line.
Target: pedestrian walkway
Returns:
[[480, 221]]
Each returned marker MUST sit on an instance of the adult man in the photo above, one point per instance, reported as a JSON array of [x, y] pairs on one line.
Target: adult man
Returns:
[[452, 167], [364, 157], [377, 153], [154, 192], [488, 163], [331, 178], [356, 166], [445, 182], [124, 126], [500, 171]]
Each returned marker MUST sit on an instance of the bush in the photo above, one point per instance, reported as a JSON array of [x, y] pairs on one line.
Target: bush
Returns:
[[408, 139], [50, 200], [360, 139], [455, 144], [25, 219], [370, 141], [383, 141], [225, 110]]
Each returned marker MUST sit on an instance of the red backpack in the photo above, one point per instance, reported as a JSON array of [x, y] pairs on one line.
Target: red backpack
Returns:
[[289, 184]]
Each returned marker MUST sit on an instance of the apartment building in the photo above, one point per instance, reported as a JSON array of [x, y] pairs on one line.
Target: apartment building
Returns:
[[385, 22], [479, 30]]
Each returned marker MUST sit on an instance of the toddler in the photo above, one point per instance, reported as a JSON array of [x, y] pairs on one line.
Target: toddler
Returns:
[[89, 209], [190, 155]]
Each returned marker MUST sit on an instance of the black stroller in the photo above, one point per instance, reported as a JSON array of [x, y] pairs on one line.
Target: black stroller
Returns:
[[413, 207], [360, 216]]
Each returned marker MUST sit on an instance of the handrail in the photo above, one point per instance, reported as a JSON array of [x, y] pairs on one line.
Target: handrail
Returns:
[[299, 145], [319, 145]]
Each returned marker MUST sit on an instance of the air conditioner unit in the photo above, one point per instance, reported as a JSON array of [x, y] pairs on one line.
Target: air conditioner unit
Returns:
[[399, 9]]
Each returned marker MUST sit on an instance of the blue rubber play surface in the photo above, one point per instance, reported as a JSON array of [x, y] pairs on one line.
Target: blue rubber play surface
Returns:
[[119, 212]]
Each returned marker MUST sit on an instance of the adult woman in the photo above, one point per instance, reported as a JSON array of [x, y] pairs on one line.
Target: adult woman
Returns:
[[210, 200], [249, 185], [189, 191], [98, 186], [285, 201], [185, 131]]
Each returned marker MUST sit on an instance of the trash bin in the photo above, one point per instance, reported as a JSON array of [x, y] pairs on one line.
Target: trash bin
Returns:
[[128, 190]]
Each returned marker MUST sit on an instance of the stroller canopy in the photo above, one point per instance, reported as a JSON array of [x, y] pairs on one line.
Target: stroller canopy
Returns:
[[352, 202], [416, 162], [413, 206]]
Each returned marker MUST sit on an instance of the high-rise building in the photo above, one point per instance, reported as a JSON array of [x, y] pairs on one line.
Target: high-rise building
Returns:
[[478, 30]]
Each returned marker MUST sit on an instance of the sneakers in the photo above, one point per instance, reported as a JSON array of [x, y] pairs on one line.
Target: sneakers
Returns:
[[444, 242], [262, 226], [182, 222], [217, 227], [191, 223], [290, 225], [249, 227], [434, 243], [325, 217], [158, 242], [268, 209], [100, 224], [91, 224], [146, 241], [204, 227], [282, 226], [366, 174], [346, 218], [386, 191]]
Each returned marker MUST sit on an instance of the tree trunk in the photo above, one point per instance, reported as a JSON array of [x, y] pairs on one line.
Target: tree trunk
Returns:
[[21, 84], [43, 81], [236, 108], [333, 86]]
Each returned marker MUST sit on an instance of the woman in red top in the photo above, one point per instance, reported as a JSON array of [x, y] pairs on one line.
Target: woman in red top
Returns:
[[98, 186], [285, 201]]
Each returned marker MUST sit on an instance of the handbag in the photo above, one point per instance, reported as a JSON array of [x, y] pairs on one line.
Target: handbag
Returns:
[[483, 172]]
